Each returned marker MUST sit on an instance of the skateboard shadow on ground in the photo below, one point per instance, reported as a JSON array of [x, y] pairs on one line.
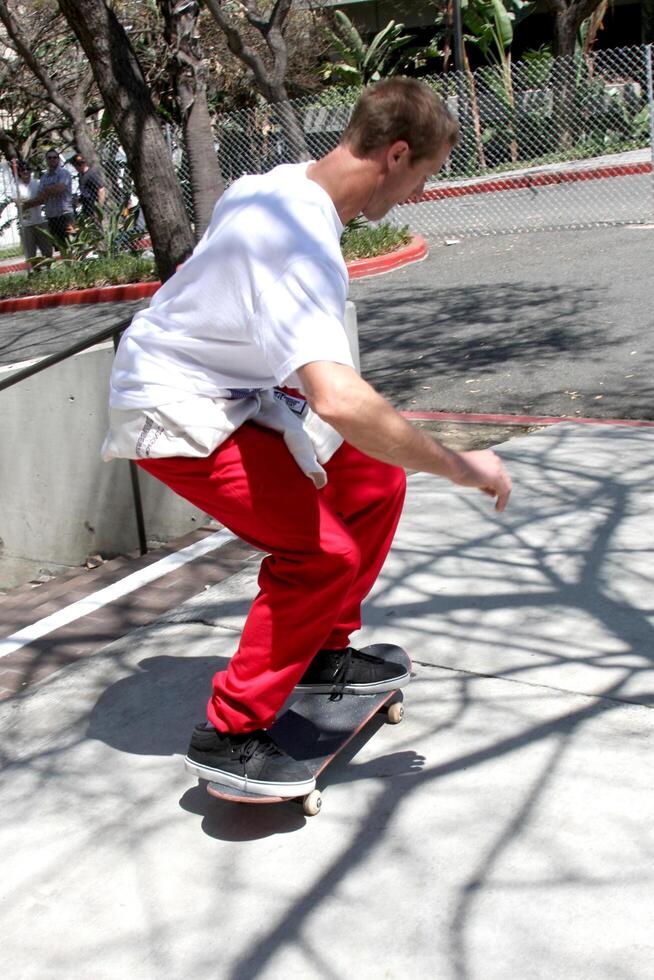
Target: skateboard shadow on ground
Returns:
[[153, 711]]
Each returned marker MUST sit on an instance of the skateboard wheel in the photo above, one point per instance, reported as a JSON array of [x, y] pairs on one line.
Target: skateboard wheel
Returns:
[[395, 713], [311, 803]]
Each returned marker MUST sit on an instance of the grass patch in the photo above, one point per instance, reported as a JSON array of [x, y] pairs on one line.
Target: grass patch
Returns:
[[59, 277], [364, 242], [11, 251], [359, 241]]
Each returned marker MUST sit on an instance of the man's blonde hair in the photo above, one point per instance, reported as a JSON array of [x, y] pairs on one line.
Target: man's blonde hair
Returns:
[[400, 109]]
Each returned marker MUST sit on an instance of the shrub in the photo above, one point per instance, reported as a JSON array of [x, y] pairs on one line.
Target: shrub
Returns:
[[62, 276], [362, 241]]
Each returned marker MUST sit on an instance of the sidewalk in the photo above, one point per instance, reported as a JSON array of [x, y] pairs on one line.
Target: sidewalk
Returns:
[[502, 832]]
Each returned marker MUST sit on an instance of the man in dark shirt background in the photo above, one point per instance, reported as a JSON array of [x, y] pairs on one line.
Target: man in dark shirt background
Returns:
[[92, 192]]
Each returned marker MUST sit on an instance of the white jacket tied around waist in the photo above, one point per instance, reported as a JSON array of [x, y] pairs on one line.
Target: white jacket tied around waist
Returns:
[[197, 426]]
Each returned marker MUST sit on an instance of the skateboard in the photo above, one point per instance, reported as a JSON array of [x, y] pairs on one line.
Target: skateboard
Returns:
[[316, 727]]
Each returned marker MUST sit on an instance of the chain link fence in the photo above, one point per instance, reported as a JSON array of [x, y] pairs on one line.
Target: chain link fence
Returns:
[[545, 143]]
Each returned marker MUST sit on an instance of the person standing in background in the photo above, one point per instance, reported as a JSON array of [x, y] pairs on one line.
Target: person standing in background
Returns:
[[33, 223], [56, 196], [92, 192]]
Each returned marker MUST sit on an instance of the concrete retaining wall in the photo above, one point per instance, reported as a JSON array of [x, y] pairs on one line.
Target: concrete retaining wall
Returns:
[[59, 503]]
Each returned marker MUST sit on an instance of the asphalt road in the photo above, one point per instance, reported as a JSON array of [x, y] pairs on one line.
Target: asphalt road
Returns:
[[540, 323], [38, 333]]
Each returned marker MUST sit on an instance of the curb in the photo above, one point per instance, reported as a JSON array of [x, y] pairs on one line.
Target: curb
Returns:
[[413, 252], [99, 294], [16, 267], [535, 180]]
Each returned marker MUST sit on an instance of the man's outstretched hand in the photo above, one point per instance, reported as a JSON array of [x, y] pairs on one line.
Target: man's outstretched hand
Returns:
[[483, 469]]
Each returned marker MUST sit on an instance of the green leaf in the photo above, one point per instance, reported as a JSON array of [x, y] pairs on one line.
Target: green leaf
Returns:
[[503, 24], [350, 35]]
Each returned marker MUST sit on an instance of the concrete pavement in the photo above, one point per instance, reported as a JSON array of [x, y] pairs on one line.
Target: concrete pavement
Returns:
[[502, 831]]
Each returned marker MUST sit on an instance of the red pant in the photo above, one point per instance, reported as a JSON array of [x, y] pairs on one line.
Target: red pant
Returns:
[[326, 549]]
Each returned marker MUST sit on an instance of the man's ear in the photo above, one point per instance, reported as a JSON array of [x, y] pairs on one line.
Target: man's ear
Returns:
[[397, 152]]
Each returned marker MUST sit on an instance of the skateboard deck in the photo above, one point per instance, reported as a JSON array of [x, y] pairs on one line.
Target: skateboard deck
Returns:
[[316, 727]]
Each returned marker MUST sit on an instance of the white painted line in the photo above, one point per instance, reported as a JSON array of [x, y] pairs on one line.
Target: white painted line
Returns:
[[83, 607]]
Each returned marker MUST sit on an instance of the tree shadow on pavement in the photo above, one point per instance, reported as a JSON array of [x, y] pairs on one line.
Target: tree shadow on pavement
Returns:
[[449, 332], [514, 565], [550, 603], [39, 333]]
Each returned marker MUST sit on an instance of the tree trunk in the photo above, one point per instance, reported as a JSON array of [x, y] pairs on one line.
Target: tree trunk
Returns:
[[564, 41], [129, 104], [569, 15], [564, 38], [191, 94], [83, 142], [563, 83], [8, 145], [204, 171], [287, 119]]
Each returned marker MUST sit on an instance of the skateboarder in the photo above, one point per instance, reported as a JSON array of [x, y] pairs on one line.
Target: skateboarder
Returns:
[[236, 388]]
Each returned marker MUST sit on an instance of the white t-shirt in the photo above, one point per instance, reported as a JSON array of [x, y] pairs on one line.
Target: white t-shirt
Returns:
[[31, 216], [263, 294]]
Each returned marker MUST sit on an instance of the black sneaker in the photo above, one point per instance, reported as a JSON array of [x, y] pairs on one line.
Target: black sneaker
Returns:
[[351, 671], [250, 762]]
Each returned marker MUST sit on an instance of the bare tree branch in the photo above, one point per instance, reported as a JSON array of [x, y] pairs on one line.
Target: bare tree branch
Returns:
[[71, 111], [238, 46], [21, 47]]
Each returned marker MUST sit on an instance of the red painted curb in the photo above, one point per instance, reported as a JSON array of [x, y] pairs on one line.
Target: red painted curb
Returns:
[[100, 294], [417, 249], [413, 252], [519, 419], [536, 180], [17, 267]]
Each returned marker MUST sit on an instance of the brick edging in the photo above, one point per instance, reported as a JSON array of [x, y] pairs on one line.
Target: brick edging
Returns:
[[413, 252]]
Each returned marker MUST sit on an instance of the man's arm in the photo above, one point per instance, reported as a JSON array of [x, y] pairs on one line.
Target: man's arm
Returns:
[[368, 422], [31, 202], [65, 184]]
